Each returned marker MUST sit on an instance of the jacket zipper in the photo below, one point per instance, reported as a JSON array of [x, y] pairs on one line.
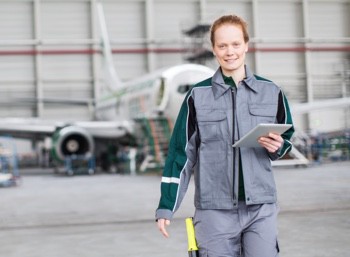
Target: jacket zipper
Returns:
[[233, 116], [233, 138]]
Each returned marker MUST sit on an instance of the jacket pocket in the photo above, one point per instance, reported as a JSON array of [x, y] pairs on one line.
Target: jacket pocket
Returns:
[[263, 113], [210, 123]]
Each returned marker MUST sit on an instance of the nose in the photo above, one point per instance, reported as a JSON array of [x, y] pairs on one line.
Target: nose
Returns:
[[230, 51]]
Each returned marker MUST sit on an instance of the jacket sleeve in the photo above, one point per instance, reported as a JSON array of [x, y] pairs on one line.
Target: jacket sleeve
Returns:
[[283, 117], [181, 158]]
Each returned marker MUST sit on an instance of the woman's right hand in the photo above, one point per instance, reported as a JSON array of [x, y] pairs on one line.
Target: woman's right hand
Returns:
[[162, 223]]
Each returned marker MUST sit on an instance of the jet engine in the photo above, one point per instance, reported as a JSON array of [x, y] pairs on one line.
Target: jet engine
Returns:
[[72, 140]]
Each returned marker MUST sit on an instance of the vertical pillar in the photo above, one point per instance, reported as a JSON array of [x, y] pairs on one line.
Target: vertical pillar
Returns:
[[151, 58], [202, 11], [255, 18], [94, 59], [38, 112], [307, 57]]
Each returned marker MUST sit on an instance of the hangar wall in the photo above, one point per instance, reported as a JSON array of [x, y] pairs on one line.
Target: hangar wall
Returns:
[[50, 49]]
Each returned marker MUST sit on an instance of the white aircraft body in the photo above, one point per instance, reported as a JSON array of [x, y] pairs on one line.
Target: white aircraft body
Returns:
[[156, 94]]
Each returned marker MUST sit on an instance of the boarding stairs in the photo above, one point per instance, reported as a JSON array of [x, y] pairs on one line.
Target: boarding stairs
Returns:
[[153, 141]]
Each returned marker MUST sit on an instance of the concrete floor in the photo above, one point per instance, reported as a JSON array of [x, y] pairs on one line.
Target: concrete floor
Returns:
[[108, 215]]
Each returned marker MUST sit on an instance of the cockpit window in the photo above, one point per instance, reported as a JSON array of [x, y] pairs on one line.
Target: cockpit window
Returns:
[[161, 91], [183, 89]]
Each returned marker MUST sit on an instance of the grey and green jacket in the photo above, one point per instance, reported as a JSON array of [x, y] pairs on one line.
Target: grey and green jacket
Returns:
[[212, 117]]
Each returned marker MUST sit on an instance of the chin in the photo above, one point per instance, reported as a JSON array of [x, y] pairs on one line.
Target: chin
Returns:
[[230, 69]]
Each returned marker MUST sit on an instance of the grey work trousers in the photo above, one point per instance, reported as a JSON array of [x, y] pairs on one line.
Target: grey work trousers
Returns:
[[249, 231]]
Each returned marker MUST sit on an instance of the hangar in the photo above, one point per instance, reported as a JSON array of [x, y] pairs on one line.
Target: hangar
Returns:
[[51, 50]]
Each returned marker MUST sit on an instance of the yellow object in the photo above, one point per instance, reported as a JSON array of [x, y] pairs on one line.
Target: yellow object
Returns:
[[192, 244]]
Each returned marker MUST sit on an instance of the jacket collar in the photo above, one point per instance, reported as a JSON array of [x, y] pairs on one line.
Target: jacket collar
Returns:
[[219, 86], [250, 80]]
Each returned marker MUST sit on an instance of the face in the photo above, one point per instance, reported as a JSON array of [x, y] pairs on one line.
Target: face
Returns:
[[230, 49]]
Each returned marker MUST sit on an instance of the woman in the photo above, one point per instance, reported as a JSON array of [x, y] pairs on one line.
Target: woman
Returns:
[[235, 192]]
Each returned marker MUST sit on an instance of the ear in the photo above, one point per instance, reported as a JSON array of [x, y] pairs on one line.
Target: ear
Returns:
[[246, 49]]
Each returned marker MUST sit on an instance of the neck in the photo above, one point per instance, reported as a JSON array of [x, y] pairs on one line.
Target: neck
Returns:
[[237, 75]]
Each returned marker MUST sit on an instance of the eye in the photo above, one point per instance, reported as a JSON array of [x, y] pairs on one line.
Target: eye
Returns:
[[236, 44]]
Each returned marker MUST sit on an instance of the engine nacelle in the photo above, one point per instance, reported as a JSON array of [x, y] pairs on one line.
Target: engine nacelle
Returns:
[[72, 140]]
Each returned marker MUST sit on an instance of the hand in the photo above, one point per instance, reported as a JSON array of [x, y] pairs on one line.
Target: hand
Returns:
[[161, 226], [271, 143]]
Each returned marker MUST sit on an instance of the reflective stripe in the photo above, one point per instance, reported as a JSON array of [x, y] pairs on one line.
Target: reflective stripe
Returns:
[[170, 180], [285, 150]]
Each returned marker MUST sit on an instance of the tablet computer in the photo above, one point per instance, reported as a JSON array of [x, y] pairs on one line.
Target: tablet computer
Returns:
[[263, 129]]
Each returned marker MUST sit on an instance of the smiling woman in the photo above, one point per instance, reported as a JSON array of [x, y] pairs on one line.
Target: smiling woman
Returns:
[[231, 185]]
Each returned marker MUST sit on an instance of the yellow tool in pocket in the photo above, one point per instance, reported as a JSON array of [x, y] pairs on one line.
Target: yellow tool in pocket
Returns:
[[192, 244]]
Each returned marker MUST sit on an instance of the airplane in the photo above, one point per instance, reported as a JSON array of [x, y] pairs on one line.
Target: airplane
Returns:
[[146, 106], [153, 96]]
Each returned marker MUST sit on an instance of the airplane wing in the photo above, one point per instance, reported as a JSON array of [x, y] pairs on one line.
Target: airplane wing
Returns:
[[72, 138], [301, 108], [107, 129], [52, 100], [320, 104], [28, 128]]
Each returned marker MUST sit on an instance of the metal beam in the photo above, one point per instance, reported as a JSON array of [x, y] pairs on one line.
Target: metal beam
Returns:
[[37, 58], [150, 34]]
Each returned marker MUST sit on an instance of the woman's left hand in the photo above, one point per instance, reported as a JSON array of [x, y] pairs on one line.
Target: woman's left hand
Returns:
[[271, 143]]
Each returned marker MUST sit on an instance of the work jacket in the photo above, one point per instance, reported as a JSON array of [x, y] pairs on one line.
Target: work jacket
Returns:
[[212, 118]]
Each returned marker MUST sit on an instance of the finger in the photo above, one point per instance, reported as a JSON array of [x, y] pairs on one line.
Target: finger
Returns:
[[273, 139], [271, 147], [276, 137], [161, 226], [269, 144]]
